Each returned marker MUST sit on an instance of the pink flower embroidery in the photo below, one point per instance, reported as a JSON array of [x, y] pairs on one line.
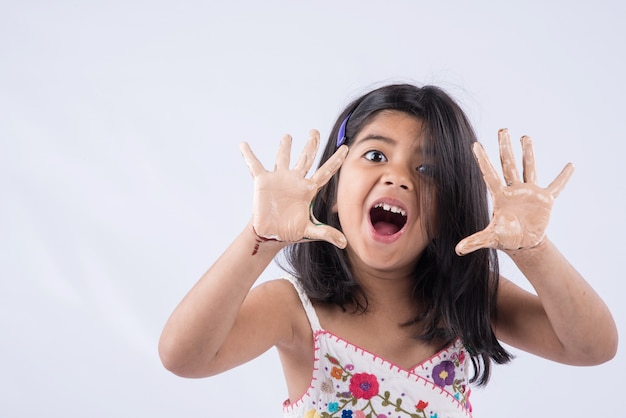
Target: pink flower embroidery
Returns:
[[364, 386]]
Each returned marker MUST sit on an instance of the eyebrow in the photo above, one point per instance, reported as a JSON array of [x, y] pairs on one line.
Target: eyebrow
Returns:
[[374, 137]]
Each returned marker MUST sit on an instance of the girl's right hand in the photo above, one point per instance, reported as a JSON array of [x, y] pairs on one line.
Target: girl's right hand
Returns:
[[283, 197]]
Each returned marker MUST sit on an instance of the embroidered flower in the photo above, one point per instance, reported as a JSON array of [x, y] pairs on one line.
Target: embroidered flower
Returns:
[[421, 405], [443, 373], [311, 414], [327, 386], [336, 372], [333, 407], [364, 386], [365, 395]]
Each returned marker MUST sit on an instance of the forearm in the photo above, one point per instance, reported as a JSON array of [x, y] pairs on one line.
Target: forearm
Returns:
[[574, 312], [202, 321]]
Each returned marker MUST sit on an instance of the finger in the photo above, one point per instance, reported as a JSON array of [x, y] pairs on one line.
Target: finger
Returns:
[[481, 239], [307, 157], [330, 167], [561, 180], [284, 153], [253, 163], [322, 232], [507, 159], [528, 160], [492, 179]]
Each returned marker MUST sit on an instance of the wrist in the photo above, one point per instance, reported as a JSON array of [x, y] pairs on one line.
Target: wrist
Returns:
[[262, 244], [530, 252]]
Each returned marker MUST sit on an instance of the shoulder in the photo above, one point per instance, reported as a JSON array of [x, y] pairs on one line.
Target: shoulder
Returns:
[[518, 311], [278, 290], [278, 295], [512, 297], [283, 305]]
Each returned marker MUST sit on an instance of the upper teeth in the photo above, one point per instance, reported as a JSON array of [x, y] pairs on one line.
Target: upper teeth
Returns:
[[390, 208]]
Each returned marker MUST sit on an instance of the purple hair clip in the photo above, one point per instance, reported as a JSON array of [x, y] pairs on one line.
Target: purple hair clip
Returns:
[[341, 136]]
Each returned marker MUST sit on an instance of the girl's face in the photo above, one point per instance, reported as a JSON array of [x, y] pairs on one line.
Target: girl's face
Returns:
[[379, 195]]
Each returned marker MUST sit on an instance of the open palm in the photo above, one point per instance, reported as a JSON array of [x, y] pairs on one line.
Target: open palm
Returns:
[[521, 209], [282, 198]]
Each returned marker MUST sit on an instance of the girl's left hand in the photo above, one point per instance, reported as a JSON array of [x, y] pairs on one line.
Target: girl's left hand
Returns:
[[521, 209]]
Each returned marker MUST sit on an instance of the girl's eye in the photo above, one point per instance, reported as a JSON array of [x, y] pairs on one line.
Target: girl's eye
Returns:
[[375, 156], [427, 170]]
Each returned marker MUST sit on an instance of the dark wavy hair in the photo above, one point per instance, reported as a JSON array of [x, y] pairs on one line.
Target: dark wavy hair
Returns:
[[456, 295]]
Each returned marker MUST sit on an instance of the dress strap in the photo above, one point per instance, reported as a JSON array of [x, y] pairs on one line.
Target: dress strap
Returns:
[[306, 304]]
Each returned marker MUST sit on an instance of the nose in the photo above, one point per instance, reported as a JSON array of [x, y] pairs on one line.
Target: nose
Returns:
[[398, 176]]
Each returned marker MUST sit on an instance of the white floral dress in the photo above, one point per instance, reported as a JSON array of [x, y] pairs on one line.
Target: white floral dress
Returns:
[[349, 382]]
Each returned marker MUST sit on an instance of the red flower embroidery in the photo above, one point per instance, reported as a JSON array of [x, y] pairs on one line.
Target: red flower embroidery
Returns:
[[421, 405], [364, 386]]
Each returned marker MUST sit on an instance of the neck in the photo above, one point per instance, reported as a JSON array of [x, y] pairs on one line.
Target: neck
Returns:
[[388, 294]]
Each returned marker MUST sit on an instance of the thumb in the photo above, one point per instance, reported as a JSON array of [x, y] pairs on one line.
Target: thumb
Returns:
[[322, 232], [481, 239]]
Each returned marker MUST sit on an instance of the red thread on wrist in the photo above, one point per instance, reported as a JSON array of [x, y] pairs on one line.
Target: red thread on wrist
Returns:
[[259, 240]]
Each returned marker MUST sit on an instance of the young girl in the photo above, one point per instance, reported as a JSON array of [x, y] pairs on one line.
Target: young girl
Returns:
[[394, 304]]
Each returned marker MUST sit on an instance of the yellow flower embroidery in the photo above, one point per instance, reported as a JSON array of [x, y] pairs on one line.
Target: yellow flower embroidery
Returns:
[[312, 414]]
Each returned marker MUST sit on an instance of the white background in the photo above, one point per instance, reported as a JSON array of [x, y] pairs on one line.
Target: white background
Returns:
[[121, 179]]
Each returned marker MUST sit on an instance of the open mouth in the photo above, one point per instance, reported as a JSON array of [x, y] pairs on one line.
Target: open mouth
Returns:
[[387, 219]]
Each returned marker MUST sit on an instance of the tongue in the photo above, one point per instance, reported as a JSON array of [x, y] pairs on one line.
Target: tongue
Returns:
[[385, 228]]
